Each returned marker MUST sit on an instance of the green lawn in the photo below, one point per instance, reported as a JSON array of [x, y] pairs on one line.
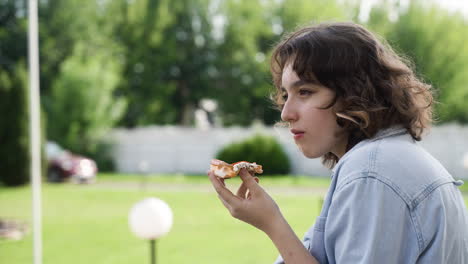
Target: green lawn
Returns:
[[202, 179], [86, 224]]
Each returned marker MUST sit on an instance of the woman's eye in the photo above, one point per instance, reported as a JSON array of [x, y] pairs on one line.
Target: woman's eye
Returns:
[[304, 92]]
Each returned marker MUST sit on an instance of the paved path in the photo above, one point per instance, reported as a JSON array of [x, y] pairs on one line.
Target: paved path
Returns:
[[187, 187]]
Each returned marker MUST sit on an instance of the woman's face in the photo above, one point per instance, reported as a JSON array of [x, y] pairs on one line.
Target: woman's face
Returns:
[[315, 130]]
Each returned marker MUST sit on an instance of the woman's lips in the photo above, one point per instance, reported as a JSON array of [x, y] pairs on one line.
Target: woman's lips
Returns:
[[297, 133]]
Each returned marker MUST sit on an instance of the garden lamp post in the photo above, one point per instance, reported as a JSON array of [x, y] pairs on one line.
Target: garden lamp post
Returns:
[[35, 128], [150, 219]]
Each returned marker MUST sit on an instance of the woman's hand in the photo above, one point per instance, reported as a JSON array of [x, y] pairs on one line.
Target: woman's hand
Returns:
[[251, 204], [254, 206]]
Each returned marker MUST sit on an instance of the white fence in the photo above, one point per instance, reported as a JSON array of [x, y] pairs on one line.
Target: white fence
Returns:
[[189, 150]]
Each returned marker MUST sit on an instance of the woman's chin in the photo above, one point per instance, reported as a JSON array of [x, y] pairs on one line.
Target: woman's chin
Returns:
[[312, 154]]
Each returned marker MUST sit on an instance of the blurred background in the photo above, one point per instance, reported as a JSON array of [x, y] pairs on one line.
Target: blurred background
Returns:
[[138, 95]]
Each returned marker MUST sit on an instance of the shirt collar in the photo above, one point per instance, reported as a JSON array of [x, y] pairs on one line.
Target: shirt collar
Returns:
[[383, 133], [389, 132]]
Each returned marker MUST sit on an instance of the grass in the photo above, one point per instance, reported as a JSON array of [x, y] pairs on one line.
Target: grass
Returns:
[[283, 181], [85, 224], [88, 223], [304, 181]]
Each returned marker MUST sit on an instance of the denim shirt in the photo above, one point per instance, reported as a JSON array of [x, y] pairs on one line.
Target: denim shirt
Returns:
[[390, 201]]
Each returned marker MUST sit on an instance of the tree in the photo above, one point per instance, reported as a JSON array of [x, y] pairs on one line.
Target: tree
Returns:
[[14, 129], [80, 69], [83, 107], [241, 84], [62, 23], [179, 52], [435, 41], [14, 124], [168, 51]]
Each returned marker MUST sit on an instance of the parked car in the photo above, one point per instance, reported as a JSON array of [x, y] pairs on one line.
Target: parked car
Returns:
[[66, 166]]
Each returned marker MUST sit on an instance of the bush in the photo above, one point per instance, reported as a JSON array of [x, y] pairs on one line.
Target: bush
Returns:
[[102, 155], [263, 150]]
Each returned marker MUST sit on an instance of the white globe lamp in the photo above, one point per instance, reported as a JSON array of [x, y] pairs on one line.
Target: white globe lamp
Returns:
[[150, 219]]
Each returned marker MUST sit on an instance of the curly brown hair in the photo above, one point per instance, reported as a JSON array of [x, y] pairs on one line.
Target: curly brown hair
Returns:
[[376, 87]]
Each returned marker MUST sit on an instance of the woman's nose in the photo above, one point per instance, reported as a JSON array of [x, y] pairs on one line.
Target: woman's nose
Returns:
[[288, 113]]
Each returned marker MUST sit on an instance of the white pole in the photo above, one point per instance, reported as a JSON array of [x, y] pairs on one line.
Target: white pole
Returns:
[[34, 130]]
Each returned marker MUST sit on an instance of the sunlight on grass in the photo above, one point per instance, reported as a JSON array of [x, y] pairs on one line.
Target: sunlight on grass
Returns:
[[83, 224], [282, 180]]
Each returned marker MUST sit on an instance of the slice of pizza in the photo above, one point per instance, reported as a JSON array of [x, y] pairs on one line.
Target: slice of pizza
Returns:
[[225, 170]]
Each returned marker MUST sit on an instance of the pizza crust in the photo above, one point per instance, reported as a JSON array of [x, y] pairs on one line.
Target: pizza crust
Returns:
[[225, 170]]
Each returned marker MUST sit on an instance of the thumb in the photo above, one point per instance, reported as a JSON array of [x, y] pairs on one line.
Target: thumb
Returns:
[[248, 179]]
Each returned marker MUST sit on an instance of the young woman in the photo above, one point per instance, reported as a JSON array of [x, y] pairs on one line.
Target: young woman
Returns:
[[350, 99]]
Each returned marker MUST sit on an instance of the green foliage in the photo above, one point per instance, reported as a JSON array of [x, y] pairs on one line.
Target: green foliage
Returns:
[[168, 49], [62, 25], [80, 70], [14, 124], [82, 107], [296, 13], [102, 155], [436, 41], [262, 149], [179, 52], [14, 129], [241, 62]]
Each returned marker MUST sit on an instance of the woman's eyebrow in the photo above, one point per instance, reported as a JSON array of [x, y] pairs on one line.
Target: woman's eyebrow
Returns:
[[299, 83]]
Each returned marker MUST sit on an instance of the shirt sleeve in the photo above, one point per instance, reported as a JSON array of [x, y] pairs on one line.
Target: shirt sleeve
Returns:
[[368, 222]]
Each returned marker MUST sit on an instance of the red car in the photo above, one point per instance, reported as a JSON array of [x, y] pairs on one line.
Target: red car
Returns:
[[66, 166]]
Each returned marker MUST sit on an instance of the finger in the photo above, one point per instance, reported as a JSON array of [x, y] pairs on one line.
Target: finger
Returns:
[[217, 182], [222, 191], [228, 206], [249, 194], [241, 192], [222, 181], [209, 172], [248, 179]]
